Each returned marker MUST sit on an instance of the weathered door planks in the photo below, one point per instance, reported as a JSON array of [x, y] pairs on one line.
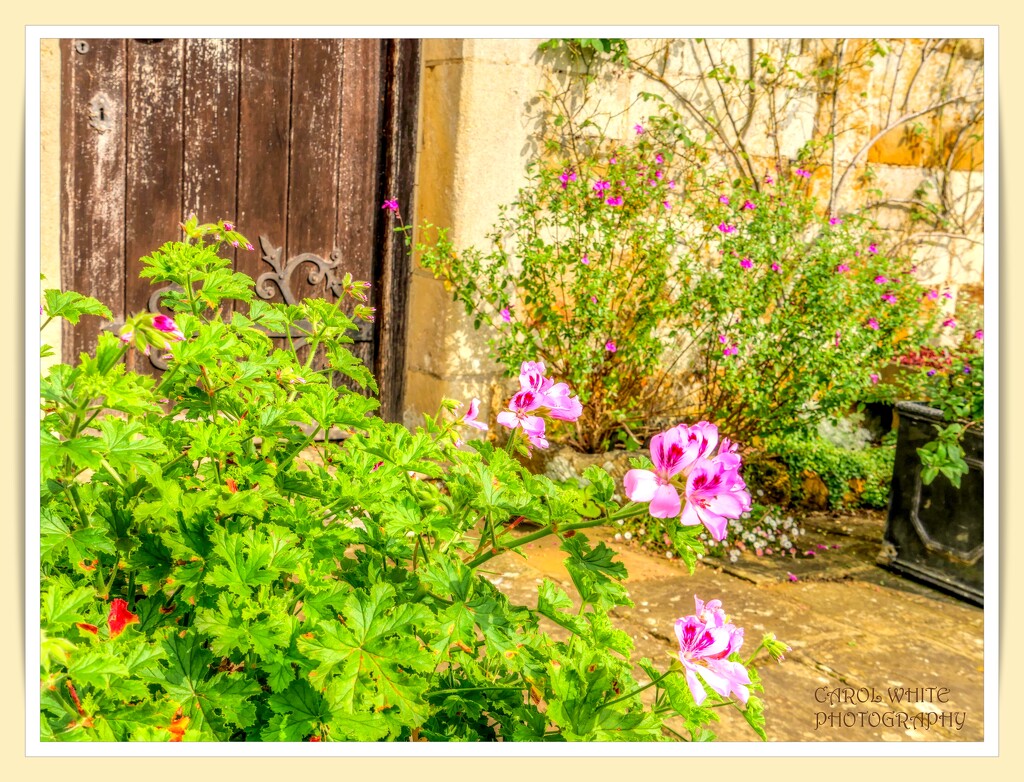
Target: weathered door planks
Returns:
[[299, 140]]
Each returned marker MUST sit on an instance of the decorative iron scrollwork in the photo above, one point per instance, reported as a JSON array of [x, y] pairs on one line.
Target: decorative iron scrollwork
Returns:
[[269, 283], [283, 270]]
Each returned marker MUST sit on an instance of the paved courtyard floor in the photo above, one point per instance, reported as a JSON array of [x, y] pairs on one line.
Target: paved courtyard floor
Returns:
[[899, 661]]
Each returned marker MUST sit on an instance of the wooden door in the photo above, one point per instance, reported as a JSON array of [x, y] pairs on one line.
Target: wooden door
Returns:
[[297, 141]]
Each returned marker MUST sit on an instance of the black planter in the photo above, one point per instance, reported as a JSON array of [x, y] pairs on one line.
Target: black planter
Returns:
[[936, 533]]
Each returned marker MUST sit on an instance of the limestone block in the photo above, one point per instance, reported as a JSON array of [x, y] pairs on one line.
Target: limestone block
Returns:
[[968, 261], [933, 263]]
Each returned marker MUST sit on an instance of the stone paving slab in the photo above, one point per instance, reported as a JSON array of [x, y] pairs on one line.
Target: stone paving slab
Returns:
[[852, 627]]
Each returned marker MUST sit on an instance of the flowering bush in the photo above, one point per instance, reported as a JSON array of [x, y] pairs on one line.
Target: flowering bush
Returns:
[[795, 314], [214, 570], [579, 275], [656, 294]]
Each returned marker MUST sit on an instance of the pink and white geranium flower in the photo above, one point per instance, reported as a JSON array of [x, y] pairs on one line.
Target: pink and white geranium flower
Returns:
[[471, 414], [684, 467], [538, 397], [706, 640]]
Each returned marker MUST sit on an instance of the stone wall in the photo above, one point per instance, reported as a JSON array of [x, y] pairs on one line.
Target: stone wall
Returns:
[[892, 151]]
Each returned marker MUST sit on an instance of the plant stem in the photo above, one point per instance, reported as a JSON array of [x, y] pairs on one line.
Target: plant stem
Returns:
[[637, 691], [632, 509]]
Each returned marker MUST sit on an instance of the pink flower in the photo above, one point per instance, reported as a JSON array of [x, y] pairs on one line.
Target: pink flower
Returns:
[[722, 338], [889, 298], [391, 205], [229, 226], [470, 417], [949, 323], [933, 295], [555, 396], [705, 643], [601, 185], [666, 204], [804, 174], [776, 267], [880, 280], [168, 327], [610, 346], [838, 335], [715, 493], [874, 379], [639, 129], [566, 177], [732, 350], [506, 315], [746, 263], [724, 199], [792, 577], [520, 406], [873, 249], [593, 299], [979, 334], [768, 180], [748, 204], [947, 295], [726, 228], [872, 324], [614, 201], [842, 268], [585, 260], [669, 456], [671, 184], [834, 221], [659, 158], [248, 246]]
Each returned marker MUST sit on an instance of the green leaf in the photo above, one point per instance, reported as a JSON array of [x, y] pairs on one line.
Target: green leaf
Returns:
[[71, 306]]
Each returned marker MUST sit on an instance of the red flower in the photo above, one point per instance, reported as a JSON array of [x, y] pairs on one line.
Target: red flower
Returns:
[[178, 726], [87, 627], [232, 485], [119, 617]]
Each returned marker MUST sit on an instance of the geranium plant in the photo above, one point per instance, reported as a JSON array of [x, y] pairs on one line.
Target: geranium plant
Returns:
[[214, 569]]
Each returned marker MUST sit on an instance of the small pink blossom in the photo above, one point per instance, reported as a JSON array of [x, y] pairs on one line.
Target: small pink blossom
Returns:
[[933, 295], [873, 249], [639, 129], [169, 327], [567, 176], [874, 379], [748, 204], [659, 158], [792, 577], [601, 185], [506, 315], [722, 338], [521, 405], [947, 295], [732, 350], [768, 180], [834, 221], [872, 323], [593, 299], [248, 246], [726, 228], [585, 260], [746, 263], [610, 346], [880, 280], [979, 334], [671, 184], [470, 418], [949, 323], [842, 268], [391, 205], [889, 298], [776, 267], [666, 204], [804, 174], [229, 226], [614, 201], [723, 199]]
